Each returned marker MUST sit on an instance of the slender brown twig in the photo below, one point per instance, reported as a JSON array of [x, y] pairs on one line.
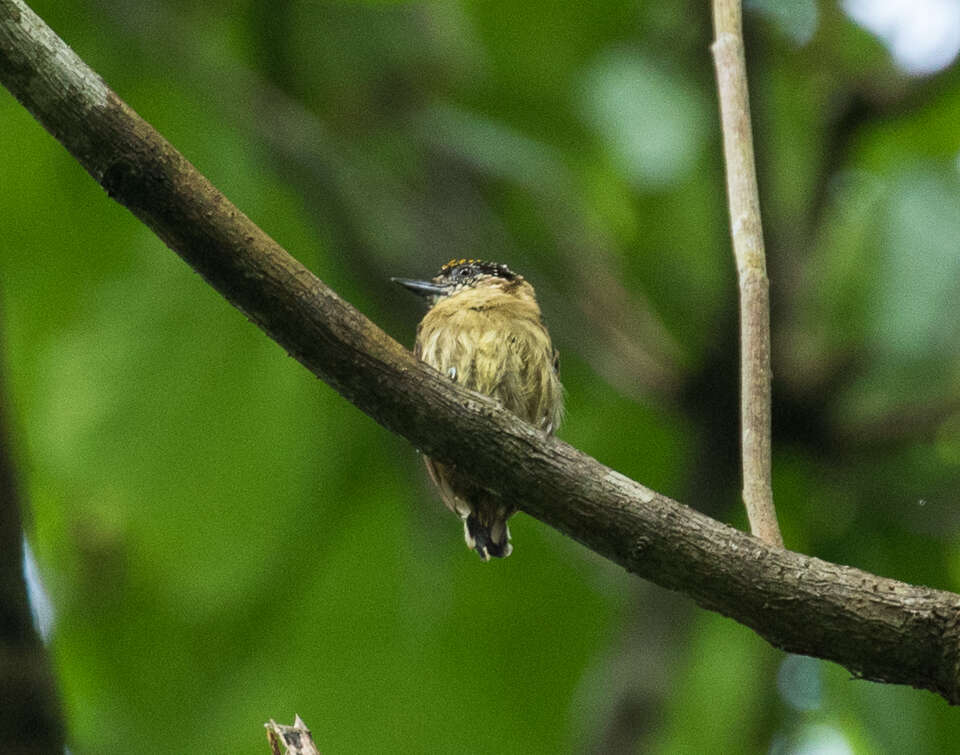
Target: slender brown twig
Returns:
[[747, 234]]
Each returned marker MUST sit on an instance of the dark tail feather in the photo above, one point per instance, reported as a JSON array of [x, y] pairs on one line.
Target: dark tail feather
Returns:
[[487, 540]]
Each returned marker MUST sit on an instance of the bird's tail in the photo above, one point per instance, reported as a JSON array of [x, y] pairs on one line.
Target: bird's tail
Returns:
[[487, 540]]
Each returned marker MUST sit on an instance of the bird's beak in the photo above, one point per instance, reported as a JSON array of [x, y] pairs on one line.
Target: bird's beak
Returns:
[[421, 288]]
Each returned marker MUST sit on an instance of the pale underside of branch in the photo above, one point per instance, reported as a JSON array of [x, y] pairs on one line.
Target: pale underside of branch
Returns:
[[878, 628]]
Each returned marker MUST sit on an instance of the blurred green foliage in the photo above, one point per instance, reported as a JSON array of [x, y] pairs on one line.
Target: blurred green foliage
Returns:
[[227, 540]]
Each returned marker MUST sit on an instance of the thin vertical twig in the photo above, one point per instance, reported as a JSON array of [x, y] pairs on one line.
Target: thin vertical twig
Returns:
[[747, 234]]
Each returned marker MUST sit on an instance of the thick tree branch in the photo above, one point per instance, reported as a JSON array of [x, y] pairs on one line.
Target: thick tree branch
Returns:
[[878, 628], [747, 233]]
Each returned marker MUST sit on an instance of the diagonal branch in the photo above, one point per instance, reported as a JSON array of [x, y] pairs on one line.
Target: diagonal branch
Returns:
[[878, 628]]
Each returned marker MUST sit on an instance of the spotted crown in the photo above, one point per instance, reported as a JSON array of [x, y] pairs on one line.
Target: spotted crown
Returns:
[[471, 269]]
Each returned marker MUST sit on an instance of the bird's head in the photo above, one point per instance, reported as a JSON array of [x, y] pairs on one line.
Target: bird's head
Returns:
[[460, 275]]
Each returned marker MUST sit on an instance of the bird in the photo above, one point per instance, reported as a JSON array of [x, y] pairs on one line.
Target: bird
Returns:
[[484, 330]]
